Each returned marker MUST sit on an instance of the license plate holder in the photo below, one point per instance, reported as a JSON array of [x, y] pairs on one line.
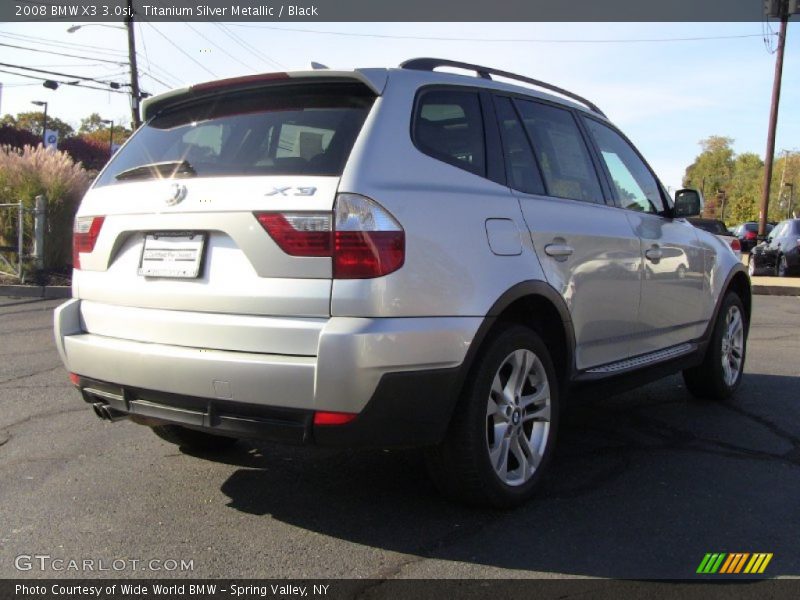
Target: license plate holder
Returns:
[[172, 254]]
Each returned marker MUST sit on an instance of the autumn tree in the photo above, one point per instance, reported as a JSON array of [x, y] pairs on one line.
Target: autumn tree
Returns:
[[711, 172]]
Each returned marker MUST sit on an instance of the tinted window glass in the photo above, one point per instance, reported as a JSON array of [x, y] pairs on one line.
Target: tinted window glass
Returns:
[[711, 226], [449, 126], [566, 167], [291, 130], [521, 169], [634, 185]]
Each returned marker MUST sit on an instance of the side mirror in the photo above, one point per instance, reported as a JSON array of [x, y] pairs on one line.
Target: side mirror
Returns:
[[688, 203]]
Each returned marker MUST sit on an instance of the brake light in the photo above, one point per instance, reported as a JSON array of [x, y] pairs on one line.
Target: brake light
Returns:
[[333, 418], [736, 245], [364, 240], [368, 241], [750, 235], [84, 237]]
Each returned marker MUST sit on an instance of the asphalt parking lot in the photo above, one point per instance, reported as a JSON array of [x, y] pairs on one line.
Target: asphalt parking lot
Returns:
[[643, 485]]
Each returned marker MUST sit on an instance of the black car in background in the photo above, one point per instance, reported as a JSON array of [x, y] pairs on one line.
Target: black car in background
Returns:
[[748, 234], [779, 254]]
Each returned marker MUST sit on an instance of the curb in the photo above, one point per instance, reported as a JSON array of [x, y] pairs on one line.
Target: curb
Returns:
[[775, 290], [36, 291]]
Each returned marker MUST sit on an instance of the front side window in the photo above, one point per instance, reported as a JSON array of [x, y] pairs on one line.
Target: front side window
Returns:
[[306, 129], [448, 125], [634, 185], [562, 155]]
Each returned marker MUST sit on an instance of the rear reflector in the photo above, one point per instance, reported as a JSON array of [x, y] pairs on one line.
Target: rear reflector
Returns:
[[736, 245], [333, 418], [84, 237], [75, 379]]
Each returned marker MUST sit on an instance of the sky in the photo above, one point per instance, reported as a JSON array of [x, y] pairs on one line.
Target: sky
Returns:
[[665, 95]]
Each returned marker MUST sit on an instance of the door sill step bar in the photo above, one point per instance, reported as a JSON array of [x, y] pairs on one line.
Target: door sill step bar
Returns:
[[644, 359]]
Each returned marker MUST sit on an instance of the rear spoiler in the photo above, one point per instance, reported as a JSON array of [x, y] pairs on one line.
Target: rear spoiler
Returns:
[[374, 79]]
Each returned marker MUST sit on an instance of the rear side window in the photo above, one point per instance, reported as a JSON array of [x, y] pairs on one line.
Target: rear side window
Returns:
[[448, 125], [521, 170], [285, 130]]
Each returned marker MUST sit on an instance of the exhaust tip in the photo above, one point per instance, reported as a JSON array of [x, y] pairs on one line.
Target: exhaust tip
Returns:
[[106, 413]]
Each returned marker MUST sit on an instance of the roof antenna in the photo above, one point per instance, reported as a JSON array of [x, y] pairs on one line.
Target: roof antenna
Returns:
[[317, 66]]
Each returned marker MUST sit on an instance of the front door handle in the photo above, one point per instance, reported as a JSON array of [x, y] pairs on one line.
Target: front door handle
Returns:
[[654, 254], [558, 251]]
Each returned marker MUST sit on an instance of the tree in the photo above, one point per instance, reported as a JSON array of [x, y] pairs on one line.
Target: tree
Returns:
[[32, 121], [95, 130], [711, 171], [744, 195]]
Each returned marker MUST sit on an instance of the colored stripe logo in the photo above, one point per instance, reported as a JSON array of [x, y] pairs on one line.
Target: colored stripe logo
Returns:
[[734, 563]]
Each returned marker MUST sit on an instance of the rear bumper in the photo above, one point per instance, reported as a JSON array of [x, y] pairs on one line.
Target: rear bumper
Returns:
[[396, 374]]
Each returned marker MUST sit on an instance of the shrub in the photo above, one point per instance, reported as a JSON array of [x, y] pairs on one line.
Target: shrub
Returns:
[[93, 154], [28, 172], [17, 138]]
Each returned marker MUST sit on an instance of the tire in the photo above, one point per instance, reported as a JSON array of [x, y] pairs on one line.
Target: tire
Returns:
[[720, 373], [193, 439], [492, 424]]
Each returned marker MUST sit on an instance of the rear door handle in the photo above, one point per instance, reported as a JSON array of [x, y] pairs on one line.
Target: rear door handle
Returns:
[[653, 254], [557, 251]]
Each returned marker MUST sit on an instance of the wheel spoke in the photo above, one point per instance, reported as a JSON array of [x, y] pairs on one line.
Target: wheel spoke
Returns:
[[516, 448], [499, 455]]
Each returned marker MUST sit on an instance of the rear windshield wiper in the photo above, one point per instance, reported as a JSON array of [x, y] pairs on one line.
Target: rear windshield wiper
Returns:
[[161, 170]]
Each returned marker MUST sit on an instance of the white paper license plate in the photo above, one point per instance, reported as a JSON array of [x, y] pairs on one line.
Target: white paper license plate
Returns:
[[172, 255]]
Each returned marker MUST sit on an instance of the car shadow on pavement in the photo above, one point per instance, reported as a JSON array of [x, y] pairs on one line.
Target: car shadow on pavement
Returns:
[[642, 485]]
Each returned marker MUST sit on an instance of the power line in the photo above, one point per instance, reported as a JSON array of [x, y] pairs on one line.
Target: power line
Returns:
[[72, 83], [182, 51], [213, 43], [500, 40], [247, 46], [59, 74], [59, 44], [97, 60]]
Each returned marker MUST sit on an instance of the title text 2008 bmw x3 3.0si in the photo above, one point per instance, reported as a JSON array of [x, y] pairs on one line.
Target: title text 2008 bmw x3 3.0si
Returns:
[[390, 258]]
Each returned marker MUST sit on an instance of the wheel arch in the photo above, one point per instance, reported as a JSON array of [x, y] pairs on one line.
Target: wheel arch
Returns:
[[539, 306]]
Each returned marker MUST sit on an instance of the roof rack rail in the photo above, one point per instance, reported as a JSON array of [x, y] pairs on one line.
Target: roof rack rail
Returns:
[[429, 64]]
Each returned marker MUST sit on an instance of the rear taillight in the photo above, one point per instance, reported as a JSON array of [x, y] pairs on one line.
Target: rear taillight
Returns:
[[299, 234], [750, 235], [736, 245], [368, 241], [362, 238], [84, 237]]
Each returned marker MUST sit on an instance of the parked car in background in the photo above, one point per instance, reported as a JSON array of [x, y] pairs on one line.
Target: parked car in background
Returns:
[[748, 234], [718, 229], [779, 254]]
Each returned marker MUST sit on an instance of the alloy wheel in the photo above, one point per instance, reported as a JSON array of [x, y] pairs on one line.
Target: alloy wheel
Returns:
[[732, 345], [518, 417]]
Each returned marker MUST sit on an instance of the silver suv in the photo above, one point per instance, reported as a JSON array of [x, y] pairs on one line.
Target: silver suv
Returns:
[[390, 258]]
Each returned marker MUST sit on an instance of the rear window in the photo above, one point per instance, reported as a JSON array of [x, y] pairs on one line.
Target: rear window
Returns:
[[283, 130]]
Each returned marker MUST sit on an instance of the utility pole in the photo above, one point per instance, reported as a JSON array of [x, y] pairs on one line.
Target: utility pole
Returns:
[[135, 93], [773, 8]]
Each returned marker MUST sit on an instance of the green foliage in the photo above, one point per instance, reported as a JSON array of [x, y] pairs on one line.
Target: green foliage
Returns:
[[28, 172], [732, 184], [33, 121]]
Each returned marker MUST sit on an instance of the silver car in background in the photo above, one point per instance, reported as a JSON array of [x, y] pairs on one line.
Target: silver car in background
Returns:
[[390, 258]]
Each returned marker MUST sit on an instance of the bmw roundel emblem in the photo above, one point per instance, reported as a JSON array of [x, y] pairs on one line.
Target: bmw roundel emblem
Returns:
[[176, 195]]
